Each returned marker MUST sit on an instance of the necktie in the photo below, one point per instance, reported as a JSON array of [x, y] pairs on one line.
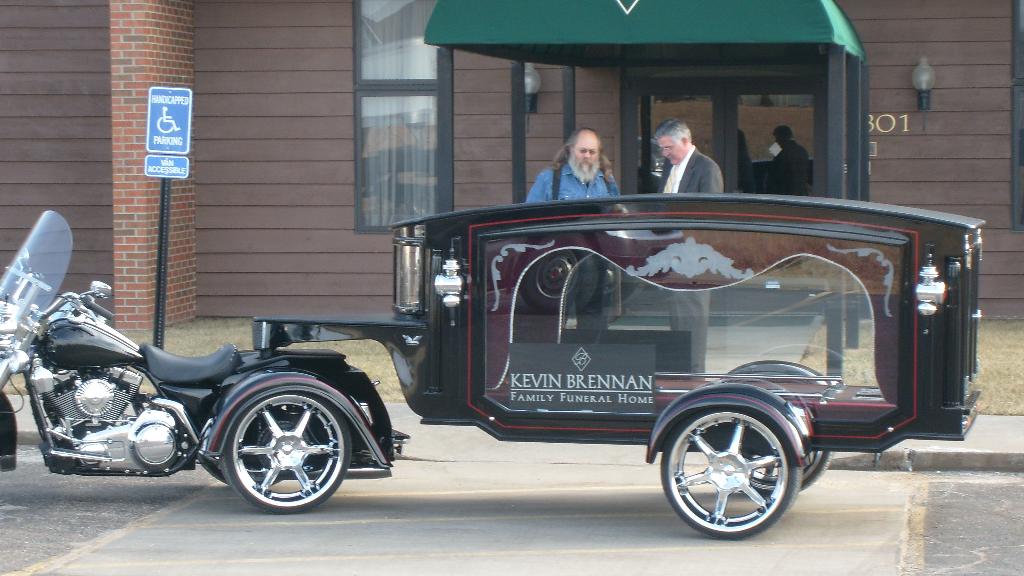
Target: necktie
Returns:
[[672, 182]]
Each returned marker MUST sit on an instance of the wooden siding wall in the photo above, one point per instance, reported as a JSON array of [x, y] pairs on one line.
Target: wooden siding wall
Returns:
[[482, 128], [958, 158], [274, 152], [274, 165], [274, 155], [55, 127], [483, 135]]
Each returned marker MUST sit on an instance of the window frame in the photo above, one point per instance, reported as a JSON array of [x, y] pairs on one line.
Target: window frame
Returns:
[[1016, 120], [441, 88]]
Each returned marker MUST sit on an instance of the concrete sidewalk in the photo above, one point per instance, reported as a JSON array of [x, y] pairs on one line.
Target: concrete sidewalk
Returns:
[[996, 443]]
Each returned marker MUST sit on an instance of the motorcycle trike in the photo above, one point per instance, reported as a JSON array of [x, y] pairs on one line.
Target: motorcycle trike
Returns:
[[739, 339]]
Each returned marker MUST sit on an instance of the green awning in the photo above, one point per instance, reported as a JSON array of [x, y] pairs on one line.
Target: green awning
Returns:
[[614, 32]]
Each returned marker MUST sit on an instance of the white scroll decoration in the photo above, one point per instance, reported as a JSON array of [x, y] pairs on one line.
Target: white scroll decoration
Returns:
[[505, 251], [690, 259], [882, 260]]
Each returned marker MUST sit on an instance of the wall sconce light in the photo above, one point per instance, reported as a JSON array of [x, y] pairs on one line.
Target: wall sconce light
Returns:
[[531, 85], [924, 80]]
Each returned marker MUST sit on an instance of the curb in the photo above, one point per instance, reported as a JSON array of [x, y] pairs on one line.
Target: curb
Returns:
[[911, 460]]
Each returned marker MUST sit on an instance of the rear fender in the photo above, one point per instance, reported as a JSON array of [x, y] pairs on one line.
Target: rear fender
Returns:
[[269, 381], [789, 419], [8, 435]]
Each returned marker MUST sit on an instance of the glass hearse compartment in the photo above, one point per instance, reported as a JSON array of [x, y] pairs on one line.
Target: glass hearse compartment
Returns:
[[622, 321], [740, 338]]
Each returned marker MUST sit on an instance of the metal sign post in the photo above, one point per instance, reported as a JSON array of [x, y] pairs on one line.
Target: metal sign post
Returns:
[[168, 131]]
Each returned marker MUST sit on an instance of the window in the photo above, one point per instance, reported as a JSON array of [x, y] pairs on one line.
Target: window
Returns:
[[686, 304], [403, 102], [1017, 175]]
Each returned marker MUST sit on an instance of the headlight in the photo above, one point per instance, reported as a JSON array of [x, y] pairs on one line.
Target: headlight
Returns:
[[8, 318], [409, 274], [12, 364]]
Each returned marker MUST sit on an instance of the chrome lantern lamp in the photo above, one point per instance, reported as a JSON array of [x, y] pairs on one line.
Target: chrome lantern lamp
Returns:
[[531, 85]]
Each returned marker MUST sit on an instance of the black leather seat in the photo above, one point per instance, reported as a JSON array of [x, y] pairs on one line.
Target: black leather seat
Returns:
[[174, 369]]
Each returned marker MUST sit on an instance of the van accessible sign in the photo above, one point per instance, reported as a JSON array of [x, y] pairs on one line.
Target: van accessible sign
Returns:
[[166, 166], [169, 123], [582, 378]]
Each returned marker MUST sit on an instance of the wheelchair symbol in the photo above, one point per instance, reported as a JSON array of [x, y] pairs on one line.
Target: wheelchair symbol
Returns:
[[166, 124]]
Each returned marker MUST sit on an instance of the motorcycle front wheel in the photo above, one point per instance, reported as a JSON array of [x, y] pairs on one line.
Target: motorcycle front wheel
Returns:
[[287, 451]]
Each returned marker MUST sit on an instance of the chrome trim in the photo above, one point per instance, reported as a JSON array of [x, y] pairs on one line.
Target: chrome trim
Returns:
[[968, 251], [261, 335], [931, 292], [16, 362], [179, 412], [80, 455], [449, 283], [408, 274], [367, 473], [769, 377], [60, 435], [815, 395]]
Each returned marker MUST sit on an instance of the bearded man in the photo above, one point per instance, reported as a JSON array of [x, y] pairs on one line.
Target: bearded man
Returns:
[[583, 171]]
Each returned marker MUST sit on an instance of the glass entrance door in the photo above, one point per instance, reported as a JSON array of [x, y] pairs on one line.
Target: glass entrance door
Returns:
[[763, 133], [696, 110], [775, 143]]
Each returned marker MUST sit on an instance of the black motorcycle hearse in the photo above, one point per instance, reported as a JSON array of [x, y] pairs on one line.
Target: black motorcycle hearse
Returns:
[[743, 338]]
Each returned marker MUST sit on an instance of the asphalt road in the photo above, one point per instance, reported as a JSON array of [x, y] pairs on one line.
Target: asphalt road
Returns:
[[970, 524], [507, 509]]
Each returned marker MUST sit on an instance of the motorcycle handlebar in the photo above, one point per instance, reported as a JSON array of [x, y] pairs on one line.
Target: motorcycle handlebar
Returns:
[[91, 304]]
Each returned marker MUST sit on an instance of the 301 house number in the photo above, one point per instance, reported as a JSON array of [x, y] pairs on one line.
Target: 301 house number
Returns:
[[888, 123]]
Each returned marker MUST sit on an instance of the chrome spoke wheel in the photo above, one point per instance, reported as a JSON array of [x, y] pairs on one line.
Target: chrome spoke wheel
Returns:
[[728, 474], [288, 451]]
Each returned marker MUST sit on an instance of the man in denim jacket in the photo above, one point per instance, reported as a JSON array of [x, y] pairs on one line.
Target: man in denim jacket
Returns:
[[583, 172]]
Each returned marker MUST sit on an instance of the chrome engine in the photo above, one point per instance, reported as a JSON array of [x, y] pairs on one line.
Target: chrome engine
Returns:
[[99, 421], [101, 399]]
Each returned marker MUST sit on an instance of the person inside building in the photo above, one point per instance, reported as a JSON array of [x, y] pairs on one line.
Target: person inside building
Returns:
[[790, 168], [582, 168], [686, 170]]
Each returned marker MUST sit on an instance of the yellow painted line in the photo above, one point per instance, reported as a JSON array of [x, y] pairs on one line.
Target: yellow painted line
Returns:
[[885, 510], [546, 552], [445, 519], [416, 520], [654, 488]]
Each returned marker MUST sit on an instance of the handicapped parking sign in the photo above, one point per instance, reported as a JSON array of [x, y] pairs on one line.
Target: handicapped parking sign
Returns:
[[169, 124]]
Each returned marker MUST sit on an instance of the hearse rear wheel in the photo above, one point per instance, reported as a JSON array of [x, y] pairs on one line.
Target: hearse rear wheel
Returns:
[[708, 468], [817, 461]]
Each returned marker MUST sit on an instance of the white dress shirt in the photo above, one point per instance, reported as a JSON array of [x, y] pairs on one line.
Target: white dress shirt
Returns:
[[672, 186]]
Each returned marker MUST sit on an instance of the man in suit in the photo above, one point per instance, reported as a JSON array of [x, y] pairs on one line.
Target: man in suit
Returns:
[[686, 170]]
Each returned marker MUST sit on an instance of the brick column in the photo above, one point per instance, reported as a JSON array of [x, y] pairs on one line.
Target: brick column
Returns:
[[150, 45]]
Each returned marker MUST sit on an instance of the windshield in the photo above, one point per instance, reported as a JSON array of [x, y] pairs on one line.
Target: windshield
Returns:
[[37, 270]]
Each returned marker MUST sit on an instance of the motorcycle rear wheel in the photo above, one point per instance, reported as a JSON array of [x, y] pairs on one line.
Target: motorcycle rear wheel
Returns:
[[288, 451]]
